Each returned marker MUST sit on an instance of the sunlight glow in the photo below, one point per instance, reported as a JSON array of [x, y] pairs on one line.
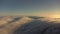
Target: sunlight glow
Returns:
[[54, 16]]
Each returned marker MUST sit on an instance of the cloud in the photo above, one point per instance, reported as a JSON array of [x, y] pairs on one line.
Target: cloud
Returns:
[[28, 25]]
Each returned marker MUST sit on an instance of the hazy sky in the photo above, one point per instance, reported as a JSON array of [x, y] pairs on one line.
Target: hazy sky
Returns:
[[29, 7]]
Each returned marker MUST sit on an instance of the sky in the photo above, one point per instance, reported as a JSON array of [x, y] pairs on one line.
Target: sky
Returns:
[[30, 7]]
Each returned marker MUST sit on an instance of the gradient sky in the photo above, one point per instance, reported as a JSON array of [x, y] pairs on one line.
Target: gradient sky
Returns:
[[30, 7]]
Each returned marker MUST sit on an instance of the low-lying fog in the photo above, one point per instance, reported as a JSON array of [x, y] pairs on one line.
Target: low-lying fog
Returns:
[[29, 25]]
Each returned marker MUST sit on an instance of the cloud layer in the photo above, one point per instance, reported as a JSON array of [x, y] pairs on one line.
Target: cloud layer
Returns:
[[28, 25]]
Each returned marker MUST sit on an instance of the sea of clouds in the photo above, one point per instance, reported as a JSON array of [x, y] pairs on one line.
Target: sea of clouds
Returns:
[[29, 25]]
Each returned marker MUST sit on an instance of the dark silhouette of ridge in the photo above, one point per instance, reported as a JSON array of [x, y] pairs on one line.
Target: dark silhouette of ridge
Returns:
[[35, 17], [38, 27]]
